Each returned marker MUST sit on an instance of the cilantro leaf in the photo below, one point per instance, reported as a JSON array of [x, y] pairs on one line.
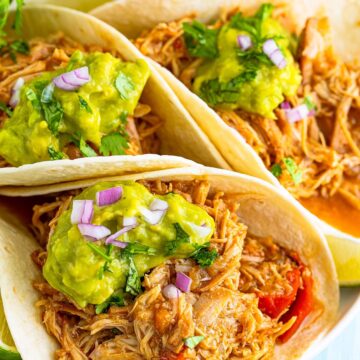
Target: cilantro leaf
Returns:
[[123, 117], [84, 105], [181, 237], [20, 46], [4, 12], [106, 267], [192, 341], [133, 283], [215, 92], [53, 113], [293, 170], [85, 149], [205, 257], [137, 248], [55, 155], [114, 144], [33, 98], [18, 15], [98, 250], [200, 41], [124, 85], [309, 103], [5, 109], [116, 299], [276, 170]]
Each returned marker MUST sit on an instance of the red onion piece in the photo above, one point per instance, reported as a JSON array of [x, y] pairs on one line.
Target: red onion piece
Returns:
[[158, 204], [72, 80], [285, 105], [119, 233], [312, 112], [244, 42], [273, 52], [171, 291], [129, 221], [108, 196], [15, 92], [152, 217], [202, 230], [298, 113], [120, 244], [183, 282], [96, 232], [82, 212]]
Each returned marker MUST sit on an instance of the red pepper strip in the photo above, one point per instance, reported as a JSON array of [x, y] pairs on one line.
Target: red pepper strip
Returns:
[[301, 307], [274, 305]]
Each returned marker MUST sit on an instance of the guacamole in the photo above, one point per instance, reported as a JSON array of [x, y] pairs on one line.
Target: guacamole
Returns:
[[233, 78], [75, 269], [48, 118]]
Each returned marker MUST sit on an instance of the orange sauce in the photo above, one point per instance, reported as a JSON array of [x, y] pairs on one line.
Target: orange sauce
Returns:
[[336, 212]]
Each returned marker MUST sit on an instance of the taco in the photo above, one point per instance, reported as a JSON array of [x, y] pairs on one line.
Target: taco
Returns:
[[75, 88], [269, 90], [190, 263]]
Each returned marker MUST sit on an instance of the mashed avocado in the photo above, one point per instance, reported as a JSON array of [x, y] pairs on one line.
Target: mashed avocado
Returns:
[[73, 267], [86, 114], [246, 79]]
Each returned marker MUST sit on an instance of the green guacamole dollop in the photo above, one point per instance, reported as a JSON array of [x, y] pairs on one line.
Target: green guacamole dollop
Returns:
[[27, 136], [73, 268], [216, 78]]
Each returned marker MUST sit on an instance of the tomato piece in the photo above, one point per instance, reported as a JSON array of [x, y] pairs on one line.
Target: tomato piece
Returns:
[[301, 307], [274, 305]]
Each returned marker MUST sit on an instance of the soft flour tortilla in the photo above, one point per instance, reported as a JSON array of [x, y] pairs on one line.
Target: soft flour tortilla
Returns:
[[345, 20], [267, 212], [179, 133]]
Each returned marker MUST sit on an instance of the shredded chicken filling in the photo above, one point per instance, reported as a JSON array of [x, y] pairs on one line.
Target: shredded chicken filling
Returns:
[[223, 304]]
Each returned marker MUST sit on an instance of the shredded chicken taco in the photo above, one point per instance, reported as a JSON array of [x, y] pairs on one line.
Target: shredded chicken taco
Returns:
[[281, 104], [179, 264], [72, 89]]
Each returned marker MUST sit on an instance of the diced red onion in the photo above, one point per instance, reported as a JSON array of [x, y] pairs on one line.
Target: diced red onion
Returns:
[[244, 42], [72, 80], [285, 105], [152, 217], [312, 112], [158, 204], [82, 212], [129, 221], [171, 291], [183, 282], [108, 196], [298, 113], [202, 230], [93, 232], [114, 236], [15, 92], [273, 52]]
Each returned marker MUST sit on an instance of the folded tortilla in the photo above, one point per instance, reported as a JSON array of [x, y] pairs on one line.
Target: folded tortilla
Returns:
[[265, 210], [179, 134]]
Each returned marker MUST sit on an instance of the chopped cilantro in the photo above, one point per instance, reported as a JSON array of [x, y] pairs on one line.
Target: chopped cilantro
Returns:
[[276, 170], [53, 113], [114, 144], [33, 98], [192, 341], [181, 237], [84, 105], [293, 170], [85, 149], [137, 248], [20, 46], [5, 109], [55, 155], [105, 267], [123, 117], [116, 299], [98, 250], [133, 283], [124, 85], [205, 257], [18, 16], [200, 41], [309, 103]]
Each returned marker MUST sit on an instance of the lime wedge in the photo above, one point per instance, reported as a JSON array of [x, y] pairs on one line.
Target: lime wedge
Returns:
[[346, 253], [7, 347]]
